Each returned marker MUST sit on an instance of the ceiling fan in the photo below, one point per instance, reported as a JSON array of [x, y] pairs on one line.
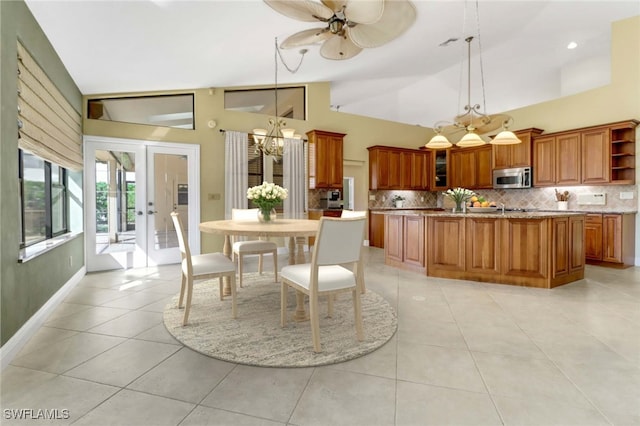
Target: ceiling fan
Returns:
[[351, 25]]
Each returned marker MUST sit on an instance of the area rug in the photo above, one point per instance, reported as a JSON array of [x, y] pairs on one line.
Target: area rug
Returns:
[[256, 338]]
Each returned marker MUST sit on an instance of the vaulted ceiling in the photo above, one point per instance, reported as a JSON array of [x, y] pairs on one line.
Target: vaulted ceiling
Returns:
[[132, 46]]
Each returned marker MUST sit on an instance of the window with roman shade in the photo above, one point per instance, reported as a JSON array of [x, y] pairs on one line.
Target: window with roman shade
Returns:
[[49, 127]]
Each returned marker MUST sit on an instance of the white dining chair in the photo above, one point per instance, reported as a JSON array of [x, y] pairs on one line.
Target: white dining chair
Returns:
[[243, 248], [338, 244], [349, 214], [353, 213], [202, 267]]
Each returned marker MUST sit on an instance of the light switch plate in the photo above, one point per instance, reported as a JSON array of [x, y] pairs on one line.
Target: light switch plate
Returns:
[[372, 197], [593, 199], [627, 195]]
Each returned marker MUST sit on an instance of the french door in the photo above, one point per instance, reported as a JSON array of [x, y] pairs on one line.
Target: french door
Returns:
[[131, 187]]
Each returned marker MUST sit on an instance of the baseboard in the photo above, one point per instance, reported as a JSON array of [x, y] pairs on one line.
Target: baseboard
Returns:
[[10, 349]]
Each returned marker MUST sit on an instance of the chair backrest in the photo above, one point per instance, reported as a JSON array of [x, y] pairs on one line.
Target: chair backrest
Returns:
[[182, 241], [250, 215], [353, 213], [338, 241]]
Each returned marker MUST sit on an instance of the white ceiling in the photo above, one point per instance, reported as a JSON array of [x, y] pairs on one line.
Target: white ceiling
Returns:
[[132, 46]]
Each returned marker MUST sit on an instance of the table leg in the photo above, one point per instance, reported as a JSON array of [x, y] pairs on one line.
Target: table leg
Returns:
[[226, 250], [300, 314], [292, 251], [300, 254]]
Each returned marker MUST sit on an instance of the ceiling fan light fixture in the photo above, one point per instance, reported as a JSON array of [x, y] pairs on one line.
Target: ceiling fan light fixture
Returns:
[[349, 25]]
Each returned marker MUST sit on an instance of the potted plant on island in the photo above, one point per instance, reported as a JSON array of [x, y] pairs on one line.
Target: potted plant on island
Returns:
[[398, 201]]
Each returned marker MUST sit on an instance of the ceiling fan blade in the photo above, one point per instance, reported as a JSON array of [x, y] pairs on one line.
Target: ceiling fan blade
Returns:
[[364, 11], [302, 10], [334, 5], [306, 37], [397, 17], [339, 48]]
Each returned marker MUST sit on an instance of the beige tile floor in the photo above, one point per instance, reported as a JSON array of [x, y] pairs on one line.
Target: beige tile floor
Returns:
[[465, 353]]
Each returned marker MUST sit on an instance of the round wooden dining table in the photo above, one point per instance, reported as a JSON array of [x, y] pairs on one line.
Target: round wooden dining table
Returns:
[[295, 229]]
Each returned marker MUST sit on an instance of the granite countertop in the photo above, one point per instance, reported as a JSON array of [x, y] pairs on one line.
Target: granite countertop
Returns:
[[497, 214], [383, 209], [436, 210]]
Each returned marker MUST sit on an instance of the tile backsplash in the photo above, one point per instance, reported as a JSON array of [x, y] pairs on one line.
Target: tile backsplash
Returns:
[[531, 198]]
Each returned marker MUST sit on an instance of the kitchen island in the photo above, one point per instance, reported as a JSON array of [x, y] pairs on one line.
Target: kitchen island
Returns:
[[534, 249]]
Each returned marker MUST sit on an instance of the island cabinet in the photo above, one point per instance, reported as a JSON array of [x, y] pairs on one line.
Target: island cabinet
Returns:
[[518, 155], [398, 168], [325, 158], [609, 239], [404, 244], [529, 249]]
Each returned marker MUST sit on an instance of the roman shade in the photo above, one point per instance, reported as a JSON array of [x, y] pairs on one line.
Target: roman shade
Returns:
[[51, 128]]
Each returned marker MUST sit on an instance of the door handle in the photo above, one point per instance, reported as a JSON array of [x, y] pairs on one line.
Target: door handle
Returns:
[[151, 212], [140, 213]]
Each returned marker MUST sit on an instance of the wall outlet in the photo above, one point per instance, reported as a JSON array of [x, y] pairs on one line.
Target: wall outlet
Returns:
[[626, 195], [422, 199], [384, 198], [372, 197]]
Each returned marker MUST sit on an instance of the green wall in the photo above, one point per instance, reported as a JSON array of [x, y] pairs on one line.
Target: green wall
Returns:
[[24, 288]]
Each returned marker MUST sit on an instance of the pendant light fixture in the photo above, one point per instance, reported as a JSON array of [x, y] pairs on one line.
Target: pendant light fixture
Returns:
[[473, 120], [270, 141]]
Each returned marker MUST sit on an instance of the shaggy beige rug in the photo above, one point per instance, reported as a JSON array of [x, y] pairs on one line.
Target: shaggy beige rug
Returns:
[[256, 338]]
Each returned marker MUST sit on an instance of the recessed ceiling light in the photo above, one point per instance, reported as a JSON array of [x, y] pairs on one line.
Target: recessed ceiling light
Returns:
[[572, 45]]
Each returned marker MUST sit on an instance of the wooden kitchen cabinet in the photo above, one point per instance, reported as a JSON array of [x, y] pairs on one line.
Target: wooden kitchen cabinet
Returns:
[[623, 152], [593, 237], [544, 161], [471, 168], [518, 155], [376, 230], [440, 170], [596, 155], [398, 168], [325, 159], [610, 238], [446, 238], [557, 160]]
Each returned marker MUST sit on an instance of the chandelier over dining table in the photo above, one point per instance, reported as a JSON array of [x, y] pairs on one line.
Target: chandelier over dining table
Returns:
[[270, 141]]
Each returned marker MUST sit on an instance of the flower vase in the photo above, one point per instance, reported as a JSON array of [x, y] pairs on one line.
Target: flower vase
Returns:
[[266, 215], [458, 208]]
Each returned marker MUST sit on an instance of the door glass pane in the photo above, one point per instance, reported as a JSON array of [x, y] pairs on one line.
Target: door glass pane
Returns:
[[115, 197], [171, 192]]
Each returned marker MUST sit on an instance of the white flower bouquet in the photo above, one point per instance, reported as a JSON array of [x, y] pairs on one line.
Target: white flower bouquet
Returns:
[[267, 195]]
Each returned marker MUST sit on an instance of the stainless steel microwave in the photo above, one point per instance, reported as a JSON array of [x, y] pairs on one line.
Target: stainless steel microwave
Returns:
[[519, 177]]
